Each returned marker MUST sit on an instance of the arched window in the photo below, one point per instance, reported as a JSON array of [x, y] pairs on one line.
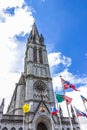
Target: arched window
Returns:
[[41, 126], [40, 56], [35, 54], [74, 129], [5, 128], [62, 128], [20, 128], [78, 128], [68, 128], [13, 128]]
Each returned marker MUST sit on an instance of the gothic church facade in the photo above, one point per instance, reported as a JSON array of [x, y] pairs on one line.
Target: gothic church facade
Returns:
[[35, 88]]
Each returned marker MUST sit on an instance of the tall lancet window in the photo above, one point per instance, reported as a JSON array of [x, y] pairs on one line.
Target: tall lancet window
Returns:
[[40, 56], [35, 54]]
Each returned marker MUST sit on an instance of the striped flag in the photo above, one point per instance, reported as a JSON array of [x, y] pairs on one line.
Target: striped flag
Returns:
[[80, 113], [54, 111], [67, 85], [83, 98], [61, 98]]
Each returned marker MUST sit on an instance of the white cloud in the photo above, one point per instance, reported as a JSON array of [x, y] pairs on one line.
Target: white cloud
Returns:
[[57, 58], [74, 79], [19, 23], [12, 50], [7, 85], [11, 3], [54, 60], [75, 95]]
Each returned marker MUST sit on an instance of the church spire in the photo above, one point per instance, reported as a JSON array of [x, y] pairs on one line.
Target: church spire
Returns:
[[34, 31], [34, 36]]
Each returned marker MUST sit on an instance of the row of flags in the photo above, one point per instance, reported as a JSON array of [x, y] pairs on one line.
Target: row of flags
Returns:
[[60, 98]]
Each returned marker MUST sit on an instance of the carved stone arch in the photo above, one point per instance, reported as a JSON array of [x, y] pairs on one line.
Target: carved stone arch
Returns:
[[5, 128], [43, 121], [13, 128], [68, 128], [41, 126], [74, 129], [20, 128]]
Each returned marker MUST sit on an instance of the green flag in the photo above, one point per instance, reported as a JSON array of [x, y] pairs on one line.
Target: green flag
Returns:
[[59, 98]]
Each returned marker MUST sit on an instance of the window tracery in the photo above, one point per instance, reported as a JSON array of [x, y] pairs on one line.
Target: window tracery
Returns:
[[39, 87], [40, 91]]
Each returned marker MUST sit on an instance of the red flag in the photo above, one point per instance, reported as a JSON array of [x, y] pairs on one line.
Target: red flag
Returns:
[[67, 85], [67, 99], [73, 87]]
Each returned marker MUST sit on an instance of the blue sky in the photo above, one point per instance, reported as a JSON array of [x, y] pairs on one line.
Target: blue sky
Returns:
[[63, 24], [64, 27]]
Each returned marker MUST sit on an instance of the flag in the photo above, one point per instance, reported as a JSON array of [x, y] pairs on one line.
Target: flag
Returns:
[[67, 99], [67, 85], [80, 113], [54, 111], [26, 108], [61, 98], [84, 99]]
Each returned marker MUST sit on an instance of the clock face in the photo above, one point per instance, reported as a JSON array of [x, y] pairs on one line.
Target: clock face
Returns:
[[40, 87]]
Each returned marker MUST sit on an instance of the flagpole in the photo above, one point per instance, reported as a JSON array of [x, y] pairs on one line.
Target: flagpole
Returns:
[[23, 121], [84, 100], [52, 124], [69, 117], [85, 106], [77, 118], [51, 119], [67, 108], [59, 118], [26, 109]]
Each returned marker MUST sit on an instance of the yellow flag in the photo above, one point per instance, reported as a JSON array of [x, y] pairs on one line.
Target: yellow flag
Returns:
[[26, 108]]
